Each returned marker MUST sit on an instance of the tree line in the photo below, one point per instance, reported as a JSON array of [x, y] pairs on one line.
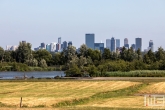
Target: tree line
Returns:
[[86, 61]]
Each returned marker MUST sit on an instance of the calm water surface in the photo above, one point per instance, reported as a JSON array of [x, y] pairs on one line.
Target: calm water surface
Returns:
[[49, 74]]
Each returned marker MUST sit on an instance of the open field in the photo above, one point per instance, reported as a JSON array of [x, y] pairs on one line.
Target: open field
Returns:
[[78, 94]]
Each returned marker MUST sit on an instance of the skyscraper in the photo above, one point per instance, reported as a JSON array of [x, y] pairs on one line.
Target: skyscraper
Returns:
[[117, 43], [108, 44], [151, 45], [59, 40], [53, 47], [99, 46], [90, 40], [113, 44], [133, 46], [43, 45], [138, 43], [65, 45], [48, 47], [70, 43], [125, 41]]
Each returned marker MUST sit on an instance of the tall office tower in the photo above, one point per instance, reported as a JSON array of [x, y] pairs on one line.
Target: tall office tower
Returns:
[[52, 47], [58, 47], [90, 40], [117, 43], [48, 47], [65, 45], [138, 43], [8, 47], [99, 46], [108, 44], [151, 45], [133, 46], [113, 44], [70, 43], [125, 41], [59, 40], [43, 45], [23, 41]]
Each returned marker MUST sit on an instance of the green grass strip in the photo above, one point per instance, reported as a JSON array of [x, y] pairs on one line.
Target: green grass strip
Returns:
[[103, 95]]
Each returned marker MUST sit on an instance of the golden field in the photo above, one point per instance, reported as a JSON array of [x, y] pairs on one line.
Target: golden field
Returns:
[[42, 95]]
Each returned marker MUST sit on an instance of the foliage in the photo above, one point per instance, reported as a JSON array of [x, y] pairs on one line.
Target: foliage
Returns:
[[73, 71]]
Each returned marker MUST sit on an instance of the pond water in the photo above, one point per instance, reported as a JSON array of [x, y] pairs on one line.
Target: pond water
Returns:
[[48, 74]]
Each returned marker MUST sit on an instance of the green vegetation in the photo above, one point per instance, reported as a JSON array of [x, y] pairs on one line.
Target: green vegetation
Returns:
[[86, 62]]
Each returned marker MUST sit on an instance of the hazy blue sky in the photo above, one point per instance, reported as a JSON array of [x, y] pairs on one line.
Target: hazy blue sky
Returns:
[[39, 21]]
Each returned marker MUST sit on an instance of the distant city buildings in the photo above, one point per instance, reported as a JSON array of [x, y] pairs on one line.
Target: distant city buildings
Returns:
[[133, 46], [99, 46], [138, 44], [43, 45], [117, 43], [90, 40], [11, 48], [108, 44], [59, 40], [65, 45], [70, 43], [126, 45], [113, 44], [151, 45]]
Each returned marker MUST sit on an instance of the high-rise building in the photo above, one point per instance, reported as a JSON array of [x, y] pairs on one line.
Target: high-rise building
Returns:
[[138, 43], [133, 46], [117, 43], [151, 45], [58, 47], [65, 45], [125, 41], [52, 47], [99, 46], [48, 47], [43, 45], [126, 46], [70, 43], [113, 44], [108, 44], [23, 41], [90, 40], [59, 40]]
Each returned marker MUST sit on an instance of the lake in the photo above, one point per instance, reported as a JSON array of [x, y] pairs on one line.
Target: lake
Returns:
[[43, 74]]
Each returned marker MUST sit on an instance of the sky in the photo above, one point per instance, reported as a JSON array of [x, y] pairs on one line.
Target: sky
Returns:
[[39, 21]]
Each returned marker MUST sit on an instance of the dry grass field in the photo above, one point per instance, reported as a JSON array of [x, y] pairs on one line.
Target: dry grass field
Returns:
[[47, 93], [42, 95]]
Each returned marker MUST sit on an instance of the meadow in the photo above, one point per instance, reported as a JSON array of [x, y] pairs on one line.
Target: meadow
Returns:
[[77, 94]]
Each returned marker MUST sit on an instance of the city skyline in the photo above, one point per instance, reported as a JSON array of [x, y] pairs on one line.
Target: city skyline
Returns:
[[44, 21], [111, 44]]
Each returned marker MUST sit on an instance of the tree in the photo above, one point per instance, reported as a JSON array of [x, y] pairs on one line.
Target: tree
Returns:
[[42, 63], [81, 62], [74, 71], [1, 54], [23, 52], [160, 54], [42, 54], [7, 56], [102, 69], [106, 54], [83, 50], [139, 56], [92, 70]]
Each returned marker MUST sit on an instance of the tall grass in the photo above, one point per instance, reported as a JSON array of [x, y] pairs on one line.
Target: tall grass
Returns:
[[138, 73]]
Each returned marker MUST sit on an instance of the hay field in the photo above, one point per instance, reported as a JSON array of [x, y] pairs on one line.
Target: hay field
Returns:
[[36, 94], [154, 88]]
